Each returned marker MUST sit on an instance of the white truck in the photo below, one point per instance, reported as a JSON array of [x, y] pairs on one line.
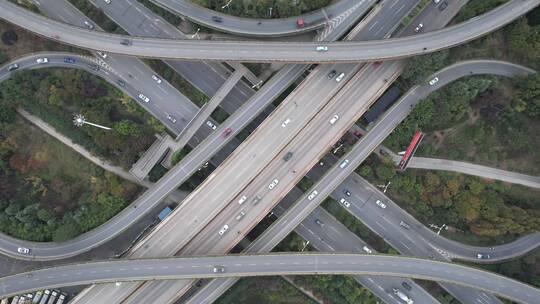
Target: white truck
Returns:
[[400, 294]]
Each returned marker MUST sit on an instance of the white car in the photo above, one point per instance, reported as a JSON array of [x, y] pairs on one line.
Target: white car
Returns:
[[285, 122], [312, 195], [380, 204], [240, 215], [242, 200], [436, 1], [334, 119], [23, 250], [102, 54], [157, 79], [344, 164], [171, 118], [224, 229], [418, 27], [273, 184], [107, 1], [42, 60], [367, 250], [211, 125], [144, 98], [340, 77], [321, 48], [345, 202], [433, 81]]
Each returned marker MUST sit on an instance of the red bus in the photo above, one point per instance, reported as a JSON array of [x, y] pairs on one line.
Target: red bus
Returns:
[[415, 142]]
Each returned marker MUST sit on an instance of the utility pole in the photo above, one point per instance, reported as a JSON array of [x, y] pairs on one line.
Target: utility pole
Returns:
[[257, 85], [305, 245], [226, 5]]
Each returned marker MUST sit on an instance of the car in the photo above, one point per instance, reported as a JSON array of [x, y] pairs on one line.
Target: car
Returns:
[[380, 204], [332, 74], [69, 60], [89, 25], [42, 60], [312, 195], [227, 132], [219, 269], [217, 19], [211, 125], [13, 67], [434, 81], [156, 79], [367, 250], [107, 1], [347, 192], [273, 184], [242, 200], [170, 118], [319, 222], [340, 77], [334, 119], [406, 286], [300, 23], [418, 27], [376, 64], [240, 215], [443, 6], [121, 83], [436, 1], [344, 164], [344, 202], [256, 200], [287, 156], [224, 229], [126, 42], [23, 250], [144, 98], [102, 54], [483, 256], [404, 225], [285, 122], [321, 48]]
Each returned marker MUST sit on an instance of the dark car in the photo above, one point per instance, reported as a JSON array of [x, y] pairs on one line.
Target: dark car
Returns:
[[126, 42], [287, 156], [227, 132], [332, 74], [346, 192], [13, 67], [406, 286], [376, 64], [217, 19], [69, 60], [121, 83], [94, 67], [443, 6]]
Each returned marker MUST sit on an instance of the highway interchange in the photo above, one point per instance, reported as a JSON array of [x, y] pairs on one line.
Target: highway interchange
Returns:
[[334, 93], [268, 51], [246, 265]]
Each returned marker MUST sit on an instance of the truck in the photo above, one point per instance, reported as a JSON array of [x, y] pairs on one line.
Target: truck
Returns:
[[400, 294]]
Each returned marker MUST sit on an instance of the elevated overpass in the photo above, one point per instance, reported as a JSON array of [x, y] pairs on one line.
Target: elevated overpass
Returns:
[[258, 51]]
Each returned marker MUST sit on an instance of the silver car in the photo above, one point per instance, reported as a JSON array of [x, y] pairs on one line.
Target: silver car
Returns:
[[144, 98], [224, 229], [273, 184]]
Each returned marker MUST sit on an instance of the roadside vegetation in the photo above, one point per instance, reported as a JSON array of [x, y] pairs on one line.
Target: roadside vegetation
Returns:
[[264, 8], [263, 290], [47, 191]]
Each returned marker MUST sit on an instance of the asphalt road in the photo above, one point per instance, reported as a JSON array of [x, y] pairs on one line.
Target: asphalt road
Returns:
[[269, 51], [264, 265], [474, 169], [252, 26]]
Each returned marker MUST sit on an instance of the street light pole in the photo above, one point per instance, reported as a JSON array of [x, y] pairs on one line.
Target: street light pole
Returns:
[[226, 5], [196, 34], [79, 120]]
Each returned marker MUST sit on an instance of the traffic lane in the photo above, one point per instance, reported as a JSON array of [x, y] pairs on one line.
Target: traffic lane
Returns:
[[205, 76], [256, 147], [203, 267], [221, 50], [252, 26]]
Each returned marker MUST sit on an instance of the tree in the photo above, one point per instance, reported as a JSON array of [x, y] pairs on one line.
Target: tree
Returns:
[[127, 128], [66, 231]]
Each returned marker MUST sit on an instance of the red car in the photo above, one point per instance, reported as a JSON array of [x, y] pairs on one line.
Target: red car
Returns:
[[300, 23], [227, 132], [376, 64]]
